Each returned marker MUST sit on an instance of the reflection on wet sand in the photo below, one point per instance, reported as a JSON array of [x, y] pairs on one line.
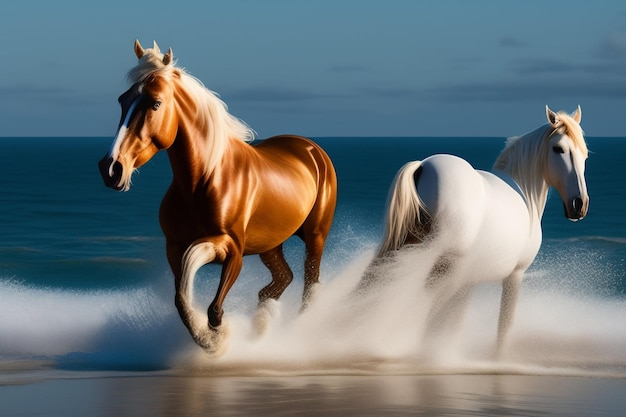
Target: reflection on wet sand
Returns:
[[428, 395]]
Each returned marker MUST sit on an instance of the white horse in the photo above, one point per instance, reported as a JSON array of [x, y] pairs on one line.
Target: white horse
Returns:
[[484, 226]]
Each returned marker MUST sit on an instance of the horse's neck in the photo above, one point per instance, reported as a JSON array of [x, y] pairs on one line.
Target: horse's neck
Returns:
[[533, 187], [188, 161]]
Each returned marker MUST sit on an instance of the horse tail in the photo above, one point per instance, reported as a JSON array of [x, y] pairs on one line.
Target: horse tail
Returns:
[[405, 210]]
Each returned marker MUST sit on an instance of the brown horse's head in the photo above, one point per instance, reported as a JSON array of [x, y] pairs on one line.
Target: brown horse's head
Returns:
[[149, 120]]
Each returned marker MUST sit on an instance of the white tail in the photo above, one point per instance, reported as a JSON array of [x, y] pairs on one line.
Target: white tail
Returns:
[[403, 209]]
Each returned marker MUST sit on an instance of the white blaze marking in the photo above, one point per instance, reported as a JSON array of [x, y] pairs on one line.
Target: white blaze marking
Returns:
[[121, 134]]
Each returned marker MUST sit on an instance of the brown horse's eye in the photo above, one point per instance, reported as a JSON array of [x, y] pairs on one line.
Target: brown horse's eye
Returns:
[[156, 105]]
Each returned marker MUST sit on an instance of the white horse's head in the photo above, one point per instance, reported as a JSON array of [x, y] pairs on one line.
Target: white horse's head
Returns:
[[565, 163]]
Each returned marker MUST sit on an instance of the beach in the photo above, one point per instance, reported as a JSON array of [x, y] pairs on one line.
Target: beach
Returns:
[[174, 394]]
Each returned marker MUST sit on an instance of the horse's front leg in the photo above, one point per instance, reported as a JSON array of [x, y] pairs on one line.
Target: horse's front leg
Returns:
[[182, 299], [231, 267], [200, 252]]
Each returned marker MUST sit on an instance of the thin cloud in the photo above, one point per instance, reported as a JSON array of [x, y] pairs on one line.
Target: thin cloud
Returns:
[[613, 46], [276, 95], [348, 68], [516, 90], [390, 92], [535, 67], [511, 42], [21, 90], [36, 95], [545, 66]]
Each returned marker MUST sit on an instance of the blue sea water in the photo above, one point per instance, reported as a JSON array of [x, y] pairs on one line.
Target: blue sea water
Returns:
[[84, 283]]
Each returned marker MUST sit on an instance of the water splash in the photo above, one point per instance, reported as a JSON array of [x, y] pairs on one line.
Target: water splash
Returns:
[[563, 325], [558, 329]]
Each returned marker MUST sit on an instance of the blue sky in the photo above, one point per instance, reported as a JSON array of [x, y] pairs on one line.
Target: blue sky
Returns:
[[324, 68]]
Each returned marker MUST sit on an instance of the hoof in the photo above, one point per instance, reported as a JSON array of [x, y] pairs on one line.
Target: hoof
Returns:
[[310, 296], [264, 315], [213, 340]]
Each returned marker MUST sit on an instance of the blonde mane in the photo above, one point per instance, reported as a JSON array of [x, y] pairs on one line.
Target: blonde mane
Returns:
[[523, 158], [217, 125]]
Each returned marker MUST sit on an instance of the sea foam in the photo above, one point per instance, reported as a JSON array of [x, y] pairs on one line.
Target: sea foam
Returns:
[[562, 325]]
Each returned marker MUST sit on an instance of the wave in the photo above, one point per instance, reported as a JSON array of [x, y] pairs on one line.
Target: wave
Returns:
[[592, 238], [561, 326], [97, 329], [18, 249], [109, 260], [122, 238]]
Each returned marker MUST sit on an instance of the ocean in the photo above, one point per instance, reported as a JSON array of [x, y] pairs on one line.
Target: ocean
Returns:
[[87, 295]]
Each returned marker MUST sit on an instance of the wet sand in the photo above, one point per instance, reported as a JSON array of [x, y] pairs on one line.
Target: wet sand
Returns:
[[58, 393]]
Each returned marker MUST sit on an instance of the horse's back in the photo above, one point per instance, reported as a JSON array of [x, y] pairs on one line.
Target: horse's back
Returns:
[[288, 146]]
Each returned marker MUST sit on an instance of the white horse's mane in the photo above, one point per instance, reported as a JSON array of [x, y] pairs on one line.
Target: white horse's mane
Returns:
[[523, 158], [211, 112]]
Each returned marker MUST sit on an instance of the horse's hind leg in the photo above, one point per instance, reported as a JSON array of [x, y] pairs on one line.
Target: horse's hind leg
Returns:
[[449, 298], [448, 306], [282, 276], [317, 225], [314, 243]]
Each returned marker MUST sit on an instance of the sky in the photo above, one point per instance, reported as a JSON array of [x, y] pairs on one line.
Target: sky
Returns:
[[325, 67]]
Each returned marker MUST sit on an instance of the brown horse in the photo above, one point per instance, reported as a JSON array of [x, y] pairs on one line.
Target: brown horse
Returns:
[[227, 198]]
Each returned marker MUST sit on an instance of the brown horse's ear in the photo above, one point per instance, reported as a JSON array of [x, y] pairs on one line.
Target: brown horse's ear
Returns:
[[577, 115], [139, 51], [167, 58], [552, 117]]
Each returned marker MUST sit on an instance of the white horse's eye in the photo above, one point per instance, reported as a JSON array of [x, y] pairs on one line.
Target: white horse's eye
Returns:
[[558, 149]]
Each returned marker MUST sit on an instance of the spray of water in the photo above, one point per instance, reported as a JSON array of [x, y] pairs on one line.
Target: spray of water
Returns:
[[559, 328], [562, 326]]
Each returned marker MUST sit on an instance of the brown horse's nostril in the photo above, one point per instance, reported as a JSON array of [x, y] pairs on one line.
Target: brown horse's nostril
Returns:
[[578, 205], [111, 172]]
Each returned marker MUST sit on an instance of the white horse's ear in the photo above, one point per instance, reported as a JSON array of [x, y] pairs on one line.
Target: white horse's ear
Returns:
[[139, 51], [167, 58], [577, 115], [552, 117], [155, 47]]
